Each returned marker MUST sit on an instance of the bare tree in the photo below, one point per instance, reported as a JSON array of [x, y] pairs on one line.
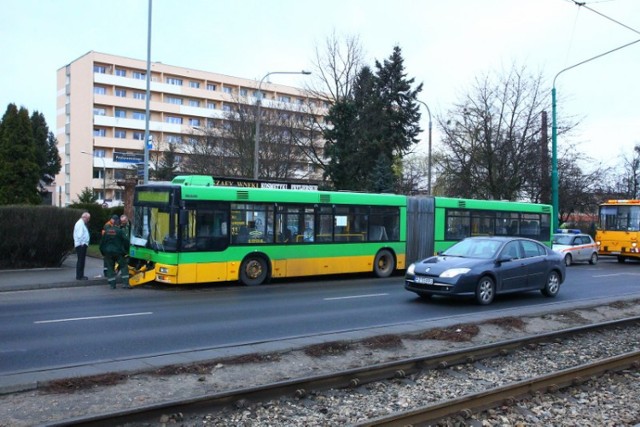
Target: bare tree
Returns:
[[336, 66], [491, 143]]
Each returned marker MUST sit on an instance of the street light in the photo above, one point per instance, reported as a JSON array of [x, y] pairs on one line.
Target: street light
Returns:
[[554, 135], [147, 136], [429, 159], [104, 174], [256, 144]]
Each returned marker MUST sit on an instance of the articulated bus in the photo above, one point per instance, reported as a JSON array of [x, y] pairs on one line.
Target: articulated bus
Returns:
[[193, 231], [619, 230]]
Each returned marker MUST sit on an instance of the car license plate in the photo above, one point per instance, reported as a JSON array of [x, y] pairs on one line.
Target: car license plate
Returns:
[[424, 280]]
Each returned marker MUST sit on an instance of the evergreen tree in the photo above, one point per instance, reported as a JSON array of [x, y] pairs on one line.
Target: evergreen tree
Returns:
[[167, 168], [19, 169], [86, 196], [47, 155], [372, 128]]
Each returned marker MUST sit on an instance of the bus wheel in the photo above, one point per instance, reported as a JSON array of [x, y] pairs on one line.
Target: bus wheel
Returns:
[[621, 259], [384, 263], [253, 271]]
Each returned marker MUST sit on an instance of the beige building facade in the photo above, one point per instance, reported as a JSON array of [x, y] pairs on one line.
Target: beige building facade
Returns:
[[101, 116]]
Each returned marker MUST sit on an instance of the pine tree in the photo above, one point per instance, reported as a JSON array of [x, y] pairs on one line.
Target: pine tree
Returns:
[[47, 155], [19, 169]]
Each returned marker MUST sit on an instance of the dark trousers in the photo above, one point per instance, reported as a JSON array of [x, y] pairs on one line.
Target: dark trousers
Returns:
[[81, 252]]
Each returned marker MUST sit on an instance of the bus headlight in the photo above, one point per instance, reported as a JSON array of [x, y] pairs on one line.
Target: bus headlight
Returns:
[[163, 270]]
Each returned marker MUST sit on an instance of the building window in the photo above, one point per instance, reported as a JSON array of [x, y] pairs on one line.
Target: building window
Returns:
[[194, 103], [139, 95], [99, 111], [121, 93], [119, 133], [284, 99], [194, 122], [121, 72], [99, 153], [174, 139], [174, 100], [121, 114], [139, 115], [100, 69], [138, 136], [174, 81], [227, 89], [226, 107], [139, 75], [118, 194], [244, 92], [211, 86], [211, 123], [99, 90], [99, 132], [195, 85], [174, 120], [211, 105]]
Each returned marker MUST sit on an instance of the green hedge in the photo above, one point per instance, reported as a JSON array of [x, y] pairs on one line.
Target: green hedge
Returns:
[[42, 236]]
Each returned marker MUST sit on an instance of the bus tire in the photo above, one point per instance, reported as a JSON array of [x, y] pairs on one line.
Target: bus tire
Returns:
[[253, 271], [621, 259], [384, 263]]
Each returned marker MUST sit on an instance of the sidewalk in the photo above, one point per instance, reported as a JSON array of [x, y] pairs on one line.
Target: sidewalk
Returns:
[[42, 278]]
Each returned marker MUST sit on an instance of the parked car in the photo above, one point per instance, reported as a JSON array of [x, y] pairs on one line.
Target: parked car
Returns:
[[575, 246], [483, 267]]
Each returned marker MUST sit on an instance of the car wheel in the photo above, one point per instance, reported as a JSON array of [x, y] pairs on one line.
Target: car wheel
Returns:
[[552, 287], [485, 290], [568, 260], [384, 263], [594, 259], [253, 271]]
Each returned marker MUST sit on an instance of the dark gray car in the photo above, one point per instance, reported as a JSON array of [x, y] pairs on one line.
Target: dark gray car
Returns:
[[483, 267]]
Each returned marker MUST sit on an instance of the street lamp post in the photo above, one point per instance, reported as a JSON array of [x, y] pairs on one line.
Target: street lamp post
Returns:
[[256, 144], [555, 200], [147, 136], [104, 175], [429, 158]]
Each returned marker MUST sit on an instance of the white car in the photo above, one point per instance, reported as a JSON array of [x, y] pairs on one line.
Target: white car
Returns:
[[575, 246]]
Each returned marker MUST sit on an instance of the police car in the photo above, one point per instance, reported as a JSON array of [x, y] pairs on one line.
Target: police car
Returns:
[[575, 246]]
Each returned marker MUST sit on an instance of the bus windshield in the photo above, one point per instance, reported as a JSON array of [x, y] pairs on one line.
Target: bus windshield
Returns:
[[620, 218], [154, 228]]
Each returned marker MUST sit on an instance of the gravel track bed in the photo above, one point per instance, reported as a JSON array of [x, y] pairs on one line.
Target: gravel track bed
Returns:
[[122, 391]]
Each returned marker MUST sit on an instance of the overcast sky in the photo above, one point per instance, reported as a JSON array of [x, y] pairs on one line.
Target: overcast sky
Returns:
[[445, 44]]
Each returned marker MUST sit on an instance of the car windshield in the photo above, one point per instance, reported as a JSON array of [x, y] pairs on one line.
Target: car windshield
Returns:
[[562, 239], [474, 248]]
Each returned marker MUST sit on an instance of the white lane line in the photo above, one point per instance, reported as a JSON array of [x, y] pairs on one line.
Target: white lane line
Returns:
[[356, 296], [616, 274], [74, 319]]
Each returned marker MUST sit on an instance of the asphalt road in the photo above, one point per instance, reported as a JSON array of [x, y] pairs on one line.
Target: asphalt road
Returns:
[[54, 328]]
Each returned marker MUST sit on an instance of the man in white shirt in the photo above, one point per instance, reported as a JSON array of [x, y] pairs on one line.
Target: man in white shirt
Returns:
[[81, 242]]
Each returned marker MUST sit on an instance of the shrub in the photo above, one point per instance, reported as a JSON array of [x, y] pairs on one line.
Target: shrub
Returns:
[[35, 236]]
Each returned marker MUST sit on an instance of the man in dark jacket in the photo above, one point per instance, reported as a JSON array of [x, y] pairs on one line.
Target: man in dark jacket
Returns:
[[113, 247]]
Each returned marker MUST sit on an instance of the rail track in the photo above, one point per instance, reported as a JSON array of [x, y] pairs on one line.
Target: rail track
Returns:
[[400, 369]]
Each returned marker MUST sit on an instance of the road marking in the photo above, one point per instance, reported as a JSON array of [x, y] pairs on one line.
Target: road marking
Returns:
[[356, 296], [74, 319], [616, 274]]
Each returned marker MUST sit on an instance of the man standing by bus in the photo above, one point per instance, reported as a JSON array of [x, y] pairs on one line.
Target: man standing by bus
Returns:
[[81, 242], [113, 248]]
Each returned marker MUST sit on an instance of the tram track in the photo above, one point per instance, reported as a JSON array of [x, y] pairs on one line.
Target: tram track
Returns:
[[410, 368]]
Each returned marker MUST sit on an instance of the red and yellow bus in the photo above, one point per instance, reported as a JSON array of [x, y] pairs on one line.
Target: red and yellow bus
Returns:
[[618, 233]]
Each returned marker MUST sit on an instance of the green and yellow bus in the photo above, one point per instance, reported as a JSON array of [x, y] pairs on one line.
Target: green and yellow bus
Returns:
[[193, 231]]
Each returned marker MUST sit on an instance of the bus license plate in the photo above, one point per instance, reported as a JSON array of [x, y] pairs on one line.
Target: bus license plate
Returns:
[[424, 280]]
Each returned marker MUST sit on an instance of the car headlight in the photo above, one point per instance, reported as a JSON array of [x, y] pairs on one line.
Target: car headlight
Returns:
[[453, 272], [412, 269]]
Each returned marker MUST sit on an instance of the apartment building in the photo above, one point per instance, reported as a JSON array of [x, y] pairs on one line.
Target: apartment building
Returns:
[[101, 116]]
